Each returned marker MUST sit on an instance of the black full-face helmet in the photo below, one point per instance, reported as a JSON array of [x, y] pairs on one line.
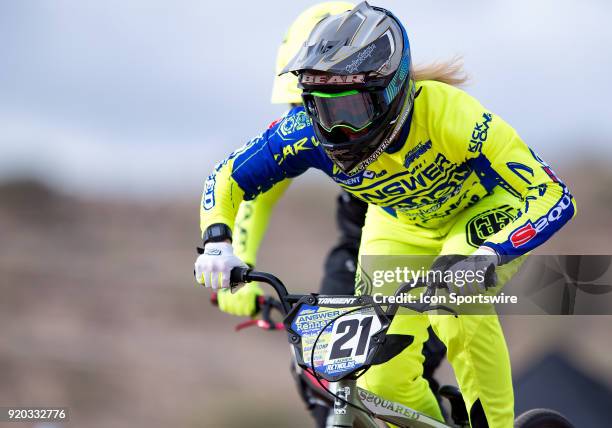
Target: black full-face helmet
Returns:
[[356, 75]]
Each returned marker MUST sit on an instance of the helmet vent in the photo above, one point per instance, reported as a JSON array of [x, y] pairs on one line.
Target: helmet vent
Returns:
[[327, 45]]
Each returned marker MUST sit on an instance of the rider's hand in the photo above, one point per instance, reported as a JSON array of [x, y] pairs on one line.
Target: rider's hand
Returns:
[[242, 303], [213, 267], [474, 274]]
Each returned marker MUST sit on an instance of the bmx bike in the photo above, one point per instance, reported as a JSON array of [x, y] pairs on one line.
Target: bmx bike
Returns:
[[335, 339]]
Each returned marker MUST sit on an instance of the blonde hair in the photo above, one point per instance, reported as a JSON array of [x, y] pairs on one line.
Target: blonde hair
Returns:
[[450, 72]]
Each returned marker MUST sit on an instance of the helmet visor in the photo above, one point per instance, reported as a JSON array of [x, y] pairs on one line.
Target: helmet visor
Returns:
[[346, 112]]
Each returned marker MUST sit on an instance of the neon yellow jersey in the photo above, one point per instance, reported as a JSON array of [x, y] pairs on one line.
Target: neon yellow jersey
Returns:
[[451, 153], [252, 221]]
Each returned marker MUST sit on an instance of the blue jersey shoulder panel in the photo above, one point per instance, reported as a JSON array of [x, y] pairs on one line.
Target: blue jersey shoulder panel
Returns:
[[285, 150]]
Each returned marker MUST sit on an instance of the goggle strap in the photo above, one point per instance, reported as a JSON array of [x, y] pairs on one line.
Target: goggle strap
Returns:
[[333, 95]]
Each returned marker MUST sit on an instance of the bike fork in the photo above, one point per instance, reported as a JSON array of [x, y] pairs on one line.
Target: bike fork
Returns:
[[343, 415]]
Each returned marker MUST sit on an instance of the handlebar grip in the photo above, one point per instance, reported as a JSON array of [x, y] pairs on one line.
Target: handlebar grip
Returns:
[[239, 275]]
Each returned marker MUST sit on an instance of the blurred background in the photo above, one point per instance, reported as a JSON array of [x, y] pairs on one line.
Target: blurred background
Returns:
[[111, 115]]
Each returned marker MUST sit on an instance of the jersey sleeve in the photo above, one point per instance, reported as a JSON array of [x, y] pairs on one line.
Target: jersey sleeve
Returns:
[[285, 150], [252, 221], [496, 153]]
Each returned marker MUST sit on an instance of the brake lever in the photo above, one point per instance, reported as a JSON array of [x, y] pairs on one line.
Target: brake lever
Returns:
[[266, 309], [265, 325], [263, 306], [266, 304]]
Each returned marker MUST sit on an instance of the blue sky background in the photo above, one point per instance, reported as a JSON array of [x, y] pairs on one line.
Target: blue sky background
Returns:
[[142, 97]]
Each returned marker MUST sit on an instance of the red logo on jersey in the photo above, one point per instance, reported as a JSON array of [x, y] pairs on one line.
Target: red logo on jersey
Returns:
[[523, 235], [526, 233]]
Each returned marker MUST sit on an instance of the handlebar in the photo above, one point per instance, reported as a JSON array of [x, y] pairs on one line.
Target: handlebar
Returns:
[[241, 275]]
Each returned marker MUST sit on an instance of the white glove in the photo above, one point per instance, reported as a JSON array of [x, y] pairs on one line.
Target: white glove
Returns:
[[213, 267], [471, 271]]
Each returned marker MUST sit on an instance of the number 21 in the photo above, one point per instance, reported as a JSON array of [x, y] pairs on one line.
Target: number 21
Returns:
[[349, 329]]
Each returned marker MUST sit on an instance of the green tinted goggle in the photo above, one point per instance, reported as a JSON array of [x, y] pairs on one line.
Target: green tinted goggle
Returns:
[[353, 110]]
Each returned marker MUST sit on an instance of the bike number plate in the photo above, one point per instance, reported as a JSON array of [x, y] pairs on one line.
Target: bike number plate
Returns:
[[344, 344]]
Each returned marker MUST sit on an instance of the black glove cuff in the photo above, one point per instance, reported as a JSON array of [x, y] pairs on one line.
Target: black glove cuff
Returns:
[[217, 232]]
